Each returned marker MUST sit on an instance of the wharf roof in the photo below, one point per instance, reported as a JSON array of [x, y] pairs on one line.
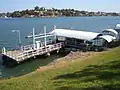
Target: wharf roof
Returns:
[[111, 30], [84, 35]]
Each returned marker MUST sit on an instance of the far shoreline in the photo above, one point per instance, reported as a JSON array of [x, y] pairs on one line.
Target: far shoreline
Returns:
[[54, 17]]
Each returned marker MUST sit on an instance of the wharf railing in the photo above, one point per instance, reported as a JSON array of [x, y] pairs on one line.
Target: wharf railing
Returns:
[[29, 52]]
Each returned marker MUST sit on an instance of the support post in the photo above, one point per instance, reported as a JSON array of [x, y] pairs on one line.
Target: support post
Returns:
[[55, 34], [45, 35], [54, 27], [34, 38], [19, 40], [75, 42], [4, 50]]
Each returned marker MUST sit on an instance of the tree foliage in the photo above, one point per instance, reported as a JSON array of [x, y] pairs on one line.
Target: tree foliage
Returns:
[[42, 11]]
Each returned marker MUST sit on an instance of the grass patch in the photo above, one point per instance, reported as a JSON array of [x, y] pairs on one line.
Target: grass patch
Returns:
[[98, 72]]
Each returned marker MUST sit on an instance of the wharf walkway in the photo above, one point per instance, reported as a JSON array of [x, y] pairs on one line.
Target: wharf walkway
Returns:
[[29, 52]]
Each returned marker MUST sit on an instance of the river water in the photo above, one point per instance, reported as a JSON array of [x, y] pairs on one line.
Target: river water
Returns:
[[9, 39]]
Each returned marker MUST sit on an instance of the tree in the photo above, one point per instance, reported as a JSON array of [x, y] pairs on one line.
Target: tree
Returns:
[[16, 14], [42, 9], [8, 14], [36, 8]]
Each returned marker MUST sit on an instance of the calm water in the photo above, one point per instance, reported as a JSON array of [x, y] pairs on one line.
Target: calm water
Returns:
[[27, 66], [25, 25]]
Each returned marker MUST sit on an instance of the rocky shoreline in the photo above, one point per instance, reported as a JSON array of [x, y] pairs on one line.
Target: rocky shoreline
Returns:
[[72, 56]]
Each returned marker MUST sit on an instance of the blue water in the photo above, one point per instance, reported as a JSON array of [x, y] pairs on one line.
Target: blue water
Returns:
[[25, 25]]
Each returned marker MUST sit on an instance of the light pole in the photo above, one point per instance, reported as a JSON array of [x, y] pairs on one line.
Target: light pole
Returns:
[[19, 39]]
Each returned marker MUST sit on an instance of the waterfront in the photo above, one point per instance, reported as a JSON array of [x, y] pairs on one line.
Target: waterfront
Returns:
[[27, 66], [25, 25]]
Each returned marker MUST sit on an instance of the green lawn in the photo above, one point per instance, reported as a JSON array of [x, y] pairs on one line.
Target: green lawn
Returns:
[[101, 71]]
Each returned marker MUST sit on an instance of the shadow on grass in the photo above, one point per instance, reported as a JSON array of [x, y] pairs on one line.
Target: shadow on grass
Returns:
[[93, 77], [105, 87]]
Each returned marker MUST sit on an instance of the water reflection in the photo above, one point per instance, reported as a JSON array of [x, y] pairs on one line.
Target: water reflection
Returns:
[[27, 66]]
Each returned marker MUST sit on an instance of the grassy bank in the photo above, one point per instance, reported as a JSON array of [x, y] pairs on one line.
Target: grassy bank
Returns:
[[99, 71]]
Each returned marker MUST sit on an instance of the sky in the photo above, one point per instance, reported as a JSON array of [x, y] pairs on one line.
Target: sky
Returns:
[[88, 5]]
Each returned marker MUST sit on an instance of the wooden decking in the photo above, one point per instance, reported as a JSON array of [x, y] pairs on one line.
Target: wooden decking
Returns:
[[28, 52]]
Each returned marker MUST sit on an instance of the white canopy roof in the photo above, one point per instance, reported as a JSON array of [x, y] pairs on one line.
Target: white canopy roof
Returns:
[[108, 37], [118, 26], [84, 35], [111, 30]]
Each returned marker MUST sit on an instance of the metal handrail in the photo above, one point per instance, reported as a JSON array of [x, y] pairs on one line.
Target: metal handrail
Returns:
[[38, 51]]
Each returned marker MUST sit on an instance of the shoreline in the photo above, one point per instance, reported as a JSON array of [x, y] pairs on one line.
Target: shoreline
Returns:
[[71, 57], [54, 17]]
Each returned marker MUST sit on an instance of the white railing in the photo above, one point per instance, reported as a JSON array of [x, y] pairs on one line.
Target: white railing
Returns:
[[31, 53], [27, 47], [20, 55]]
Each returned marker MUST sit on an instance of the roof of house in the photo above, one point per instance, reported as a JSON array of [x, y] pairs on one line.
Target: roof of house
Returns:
[[111, 30], [117, 26], [107, 37]]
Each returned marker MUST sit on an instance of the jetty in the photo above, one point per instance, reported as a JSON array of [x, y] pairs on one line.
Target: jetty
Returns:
[[38, 48], [80, 40], [21, 55]]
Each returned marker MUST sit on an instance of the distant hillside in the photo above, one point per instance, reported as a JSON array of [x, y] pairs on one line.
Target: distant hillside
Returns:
[[43, 12]]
